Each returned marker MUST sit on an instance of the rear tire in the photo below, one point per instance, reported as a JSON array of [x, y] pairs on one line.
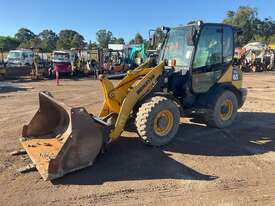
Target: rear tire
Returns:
[[157, 121], [224, 110]]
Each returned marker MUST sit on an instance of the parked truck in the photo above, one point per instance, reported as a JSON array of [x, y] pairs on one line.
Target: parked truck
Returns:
[[62, 62]]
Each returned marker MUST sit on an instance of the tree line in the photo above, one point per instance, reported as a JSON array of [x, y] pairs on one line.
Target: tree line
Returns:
[[48, 40], [253, 28], [246, 18]]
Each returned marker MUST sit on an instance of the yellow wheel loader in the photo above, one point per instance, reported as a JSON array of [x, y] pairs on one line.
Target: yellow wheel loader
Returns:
[[195, 75]]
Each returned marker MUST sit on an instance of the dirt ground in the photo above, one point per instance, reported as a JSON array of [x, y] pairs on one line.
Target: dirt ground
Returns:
[[202, 166]]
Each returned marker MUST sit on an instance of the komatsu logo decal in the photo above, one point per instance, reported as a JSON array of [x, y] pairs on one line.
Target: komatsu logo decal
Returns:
[[145, 84]]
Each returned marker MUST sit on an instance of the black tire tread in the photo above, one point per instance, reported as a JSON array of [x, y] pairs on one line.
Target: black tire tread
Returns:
[[210, 118], [143, 118]]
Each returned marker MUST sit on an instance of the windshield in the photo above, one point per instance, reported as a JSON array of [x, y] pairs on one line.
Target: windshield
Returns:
[[14, 55], [61, 56], [176, 48]]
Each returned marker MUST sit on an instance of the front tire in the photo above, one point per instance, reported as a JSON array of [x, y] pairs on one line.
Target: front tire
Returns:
[[157, 121], [224, 110]]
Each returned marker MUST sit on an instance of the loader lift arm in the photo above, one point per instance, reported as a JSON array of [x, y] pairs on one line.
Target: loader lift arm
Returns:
[[121, 99]]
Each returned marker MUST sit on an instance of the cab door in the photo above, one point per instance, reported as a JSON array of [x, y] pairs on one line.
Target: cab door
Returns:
[[213, 55]]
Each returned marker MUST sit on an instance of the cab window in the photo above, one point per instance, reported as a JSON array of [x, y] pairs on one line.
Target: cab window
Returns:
[[209, 47], [176, 48], [25, 55], [227, 44]]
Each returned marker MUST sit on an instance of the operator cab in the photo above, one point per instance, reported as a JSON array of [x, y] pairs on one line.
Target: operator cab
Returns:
[[198, 55]]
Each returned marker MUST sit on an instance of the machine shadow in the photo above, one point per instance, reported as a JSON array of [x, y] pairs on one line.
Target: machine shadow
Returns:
[[24, 80], [130, 159], [253, 133], [8, 87]]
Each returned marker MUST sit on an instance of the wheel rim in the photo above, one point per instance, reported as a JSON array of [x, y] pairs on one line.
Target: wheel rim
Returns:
[[226, 110], [163, 123]]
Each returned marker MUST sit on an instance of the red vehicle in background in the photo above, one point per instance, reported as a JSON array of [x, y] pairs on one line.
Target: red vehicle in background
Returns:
[[61, 63]]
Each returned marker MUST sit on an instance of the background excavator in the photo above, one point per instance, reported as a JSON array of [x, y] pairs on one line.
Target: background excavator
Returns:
[[195, 75]]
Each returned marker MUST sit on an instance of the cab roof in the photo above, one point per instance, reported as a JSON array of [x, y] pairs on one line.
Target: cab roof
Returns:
[[199, 24]]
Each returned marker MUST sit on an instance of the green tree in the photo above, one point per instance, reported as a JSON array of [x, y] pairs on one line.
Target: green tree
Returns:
[[24, 35], [104, 37], [138, 39], [244, 18], [132, 41], [8, 43], [78, 41], [230, 16], [35, 43], [67, 39], [265, 30], [115, 40], [48, 40], [24, 44]]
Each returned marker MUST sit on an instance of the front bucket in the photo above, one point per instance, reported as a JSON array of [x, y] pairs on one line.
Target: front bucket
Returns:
[[60, 139]]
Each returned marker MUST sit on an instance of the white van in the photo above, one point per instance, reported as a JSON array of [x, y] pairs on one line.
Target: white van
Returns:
[[20, 58]]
